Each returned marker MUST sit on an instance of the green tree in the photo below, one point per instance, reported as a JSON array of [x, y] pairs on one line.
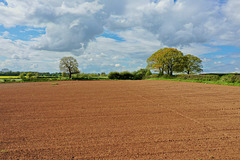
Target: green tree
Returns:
[[167, 60], [69, 65], [22, 76], [37, 75], [114, 75], [141, 74], [192, 64], [156, 61], [103, 74], [29, 75]]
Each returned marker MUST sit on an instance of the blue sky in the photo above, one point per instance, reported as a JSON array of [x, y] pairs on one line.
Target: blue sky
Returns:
[[4, 2], [24, 33], [117, 36]]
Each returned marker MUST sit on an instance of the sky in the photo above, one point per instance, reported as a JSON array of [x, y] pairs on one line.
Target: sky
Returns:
[[113, 35]]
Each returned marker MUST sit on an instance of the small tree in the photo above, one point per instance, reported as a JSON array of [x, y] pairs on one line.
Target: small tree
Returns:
[[103, 74], [29, 75], [69, 65], [22, 76]]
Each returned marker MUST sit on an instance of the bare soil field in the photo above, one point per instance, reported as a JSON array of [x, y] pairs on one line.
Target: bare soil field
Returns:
[[119, 120]]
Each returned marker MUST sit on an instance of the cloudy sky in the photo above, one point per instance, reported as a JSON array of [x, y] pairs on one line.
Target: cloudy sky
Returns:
[[117, 35]]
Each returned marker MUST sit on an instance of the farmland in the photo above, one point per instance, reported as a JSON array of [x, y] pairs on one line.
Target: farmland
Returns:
[[9, 77], [119, 120]]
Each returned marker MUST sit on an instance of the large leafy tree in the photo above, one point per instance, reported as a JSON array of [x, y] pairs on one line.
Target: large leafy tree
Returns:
[[167, 60], [156, 61], [192, 64], [69, 65]]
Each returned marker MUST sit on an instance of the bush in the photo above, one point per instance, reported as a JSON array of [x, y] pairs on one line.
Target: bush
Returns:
[[103, 74], [149, 73], [114, 75], [141, 74], [167, 76], [6, 80], [231, 78], [64, 74], [29, 75], [200, 77], [22, 76], [126, 75]]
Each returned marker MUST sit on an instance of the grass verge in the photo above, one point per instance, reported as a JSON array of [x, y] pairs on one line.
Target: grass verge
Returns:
[[197, 81]]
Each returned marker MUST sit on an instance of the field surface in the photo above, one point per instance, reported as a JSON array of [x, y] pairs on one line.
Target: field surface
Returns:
[[119, 120], [9, 77]]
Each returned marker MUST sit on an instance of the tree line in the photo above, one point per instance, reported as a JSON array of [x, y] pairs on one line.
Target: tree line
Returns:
[[165, 61]]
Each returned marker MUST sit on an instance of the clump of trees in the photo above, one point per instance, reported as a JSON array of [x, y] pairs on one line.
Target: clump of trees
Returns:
[[170, 60]]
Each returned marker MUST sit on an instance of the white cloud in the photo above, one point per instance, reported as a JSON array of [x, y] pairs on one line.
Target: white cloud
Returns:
[[237, 70], [197, 49], [206, 60], [145, 25], [117, 65], [70, 26], [218, 62]]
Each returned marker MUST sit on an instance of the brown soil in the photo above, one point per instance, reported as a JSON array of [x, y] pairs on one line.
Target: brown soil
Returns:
[[119, 120]]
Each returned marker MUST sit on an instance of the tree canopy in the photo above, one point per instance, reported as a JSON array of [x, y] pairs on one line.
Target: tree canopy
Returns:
[[192, 64], [169, 60], [69, 65]]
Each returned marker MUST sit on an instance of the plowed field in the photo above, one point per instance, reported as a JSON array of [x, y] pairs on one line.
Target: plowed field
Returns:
[[119, 120]]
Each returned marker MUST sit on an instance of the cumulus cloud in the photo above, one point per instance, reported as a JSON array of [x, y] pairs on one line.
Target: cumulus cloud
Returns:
[[70, 26], [75, 27]]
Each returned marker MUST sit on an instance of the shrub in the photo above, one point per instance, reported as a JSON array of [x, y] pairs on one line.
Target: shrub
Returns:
[[167, 76], [141, 74], [200, 77], [126, 75], [114, 75], [149, 73], [64, 74], [29, 75], [103, 74], [154, 75], [231, 78], [22, 76]]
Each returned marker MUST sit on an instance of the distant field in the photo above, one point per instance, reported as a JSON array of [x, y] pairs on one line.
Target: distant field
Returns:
[[9, 77], [119, 120]]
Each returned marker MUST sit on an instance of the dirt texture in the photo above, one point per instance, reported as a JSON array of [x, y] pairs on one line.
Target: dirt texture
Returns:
[[119, 120]]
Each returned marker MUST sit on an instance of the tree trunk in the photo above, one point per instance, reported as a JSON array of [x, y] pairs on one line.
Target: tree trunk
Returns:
[[70, 73], [168, 70], [188, 72], [161, 71], [171, 70]]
